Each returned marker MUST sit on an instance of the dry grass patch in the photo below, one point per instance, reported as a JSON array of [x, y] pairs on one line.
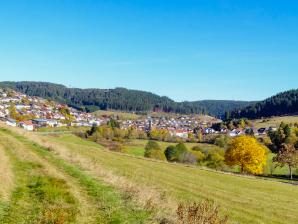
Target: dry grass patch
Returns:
[[6, 176], [200, 213]]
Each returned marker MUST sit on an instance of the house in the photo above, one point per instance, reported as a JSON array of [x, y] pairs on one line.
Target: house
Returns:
[[27, 125], [209, 131], [95, 122], [21, 107], [52, 123], [262, 131], [250, 131], [236, 132], [39, 122], [80, 124], [11, 122], [224, 130], [179, 133]]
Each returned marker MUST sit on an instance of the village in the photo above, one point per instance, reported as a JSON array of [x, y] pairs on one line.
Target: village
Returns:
[[31, 113]]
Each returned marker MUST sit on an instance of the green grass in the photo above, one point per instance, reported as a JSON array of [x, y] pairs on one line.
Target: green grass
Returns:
[[110, 203], [49, 197], [63, 129], [137, 147], [119, 114], [244, 199]]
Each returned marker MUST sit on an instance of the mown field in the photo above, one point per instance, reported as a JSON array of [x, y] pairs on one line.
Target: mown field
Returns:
[[121, 115], [274, 121], [65, 179]]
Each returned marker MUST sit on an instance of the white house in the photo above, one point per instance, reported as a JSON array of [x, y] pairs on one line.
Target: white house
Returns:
[[52, 123], [11, 122], [27, 125], [209, 131], [179, 133], [236, 132], [21, 106], [95, 122]]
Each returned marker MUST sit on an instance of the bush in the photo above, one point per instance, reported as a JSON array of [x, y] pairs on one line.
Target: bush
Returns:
[[174, 153], [179, 153], [200, 156], [215, 160], [221, 141], [187, 157], [153, 151]]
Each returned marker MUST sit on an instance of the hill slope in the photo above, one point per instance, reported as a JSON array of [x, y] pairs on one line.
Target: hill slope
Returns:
[[121, 99], [285, 103], [105, 178]]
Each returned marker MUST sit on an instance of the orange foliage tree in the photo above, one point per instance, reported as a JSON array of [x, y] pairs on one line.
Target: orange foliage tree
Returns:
[[248, 153]]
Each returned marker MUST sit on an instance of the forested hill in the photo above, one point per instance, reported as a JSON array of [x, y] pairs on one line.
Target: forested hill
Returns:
[[120, 99], [285, 103]]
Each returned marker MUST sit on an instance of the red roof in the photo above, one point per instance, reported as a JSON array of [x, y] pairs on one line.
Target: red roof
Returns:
[[27, 122]]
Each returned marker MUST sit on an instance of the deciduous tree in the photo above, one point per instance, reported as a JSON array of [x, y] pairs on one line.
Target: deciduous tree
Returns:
[[248, 153], [287, 156]]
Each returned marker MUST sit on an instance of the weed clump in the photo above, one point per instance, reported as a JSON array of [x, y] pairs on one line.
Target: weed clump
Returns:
[[200, 213]]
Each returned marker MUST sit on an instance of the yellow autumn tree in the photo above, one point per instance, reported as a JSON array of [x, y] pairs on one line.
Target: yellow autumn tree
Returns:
[[248, 153]]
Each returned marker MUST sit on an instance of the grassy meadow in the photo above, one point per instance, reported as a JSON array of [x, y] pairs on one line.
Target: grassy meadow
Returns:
[[63, 177], [62, 129], [119, 114], [137, 147], [274, 121]]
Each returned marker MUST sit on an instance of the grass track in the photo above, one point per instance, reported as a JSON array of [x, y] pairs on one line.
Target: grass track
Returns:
[[48, 196], [109, 204]]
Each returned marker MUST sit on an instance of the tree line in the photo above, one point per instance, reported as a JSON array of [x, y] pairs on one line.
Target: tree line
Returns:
[[285, 103], [120, 99]]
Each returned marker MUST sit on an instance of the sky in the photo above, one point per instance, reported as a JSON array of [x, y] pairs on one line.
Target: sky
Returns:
[[183, 49]]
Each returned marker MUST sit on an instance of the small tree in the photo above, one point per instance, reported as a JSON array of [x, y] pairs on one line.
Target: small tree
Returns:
[[153, 150], [221, 141], [287, 156], [113, 123], [215, 160], [248, 153], [176, 153]]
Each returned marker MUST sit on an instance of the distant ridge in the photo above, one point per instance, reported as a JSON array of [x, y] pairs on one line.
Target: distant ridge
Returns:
[[121, 99], [285, 103]]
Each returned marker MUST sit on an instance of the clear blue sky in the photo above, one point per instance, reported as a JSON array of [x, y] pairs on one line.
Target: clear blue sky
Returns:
[[187, 50]]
